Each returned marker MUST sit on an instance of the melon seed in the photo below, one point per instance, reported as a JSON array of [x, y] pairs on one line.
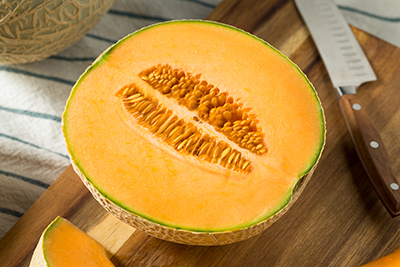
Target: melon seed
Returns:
[[213, 106], [182, 136]]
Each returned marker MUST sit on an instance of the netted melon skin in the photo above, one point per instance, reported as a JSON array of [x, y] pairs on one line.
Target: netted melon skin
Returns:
[[34, 30], [38, 259], [190, 237]]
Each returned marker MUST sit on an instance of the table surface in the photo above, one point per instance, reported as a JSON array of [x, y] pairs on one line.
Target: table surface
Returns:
[[337, 221]]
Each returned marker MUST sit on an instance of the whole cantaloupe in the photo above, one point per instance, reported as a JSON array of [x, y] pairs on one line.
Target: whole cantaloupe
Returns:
[[32, 30]]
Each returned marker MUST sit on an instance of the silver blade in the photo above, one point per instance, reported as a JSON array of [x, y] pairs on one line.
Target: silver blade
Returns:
[[344, 59]]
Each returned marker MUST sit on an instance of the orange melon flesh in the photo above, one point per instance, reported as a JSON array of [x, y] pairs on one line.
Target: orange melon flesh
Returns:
[[135, 170], [63, 244], [391, 260]]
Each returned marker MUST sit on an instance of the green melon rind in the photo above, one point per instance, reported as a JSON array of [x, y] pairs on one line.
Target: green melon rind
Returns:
[[48, 230], [103, 58]]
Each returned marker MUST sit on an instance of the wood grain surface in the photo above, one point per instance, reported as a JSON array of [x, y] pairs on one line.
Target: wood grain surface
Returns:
[[337, 221]]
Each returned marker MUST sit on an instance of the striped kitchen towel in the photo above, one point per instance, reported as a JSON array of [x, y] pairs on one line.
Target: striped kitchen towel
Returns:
[[33, 96], [380, 18]]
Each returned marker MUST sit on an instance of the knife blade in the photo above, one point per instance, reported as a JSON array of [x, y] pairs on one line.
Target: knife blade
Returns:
[[348, 68]]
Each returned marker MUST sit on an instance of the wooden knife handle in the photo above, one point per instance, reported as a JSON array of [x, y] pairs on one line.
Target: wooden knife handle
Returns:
[[372, 152]]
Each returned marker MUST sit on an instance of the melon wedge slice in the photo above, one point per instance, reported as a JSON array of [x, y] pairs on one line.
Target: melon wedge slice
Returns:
[[63, 244], [391, 260]]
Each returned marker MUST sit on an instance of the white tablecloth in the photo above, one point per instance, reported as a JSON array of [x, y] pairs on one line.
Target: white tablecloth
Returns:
[[32, 96]]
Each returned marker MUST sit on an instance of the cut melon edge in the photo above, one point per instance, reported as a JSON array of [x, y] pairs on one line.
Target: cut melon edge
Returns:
[[191, 237], [38, 257]]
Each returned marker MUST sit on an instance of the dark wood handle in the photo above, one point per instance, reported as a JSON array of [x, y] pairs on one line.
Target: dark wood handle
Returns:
[[372, 152]]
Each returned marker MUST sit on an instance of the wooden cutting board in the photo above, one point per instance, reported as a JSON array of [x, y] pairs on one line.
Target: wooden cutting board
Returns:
[[337, 221]]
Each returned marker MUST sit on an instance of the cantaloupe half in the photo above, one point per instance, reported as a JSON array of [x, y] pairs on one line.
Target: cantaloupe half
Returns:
[[194, 131], [63, 244]]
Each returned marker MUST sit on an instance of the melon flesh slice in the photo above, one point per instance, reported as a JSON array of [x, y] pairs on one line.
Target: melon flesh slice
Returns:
[[63, 244], [391, 260]]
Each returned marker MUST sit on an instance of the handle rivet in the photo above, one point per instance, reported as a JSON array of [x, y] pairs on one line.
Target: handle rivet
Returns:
[[374, 144], [394, 186], [356, 106]]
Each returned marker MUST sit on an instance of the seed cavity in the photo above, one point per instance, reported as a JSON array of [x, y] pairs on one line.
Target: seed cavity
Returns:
[[213, 106], [183, 136]]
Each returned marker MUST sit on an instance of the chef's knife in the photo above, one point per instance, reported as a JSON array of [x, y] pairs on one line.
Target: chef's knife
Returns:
[[348, 68]]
